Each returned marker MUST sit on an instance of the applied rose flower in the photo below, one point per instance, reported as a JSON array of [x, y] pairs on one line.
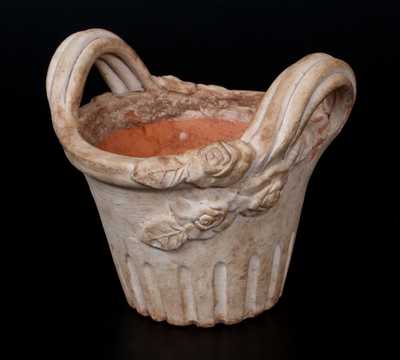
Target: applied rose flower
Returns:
[[213, 217], [218, 159]]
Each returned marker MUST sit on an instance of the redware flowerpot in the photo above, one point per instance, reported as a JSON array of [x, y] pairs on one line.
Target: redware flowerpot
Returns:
[[204, 236]]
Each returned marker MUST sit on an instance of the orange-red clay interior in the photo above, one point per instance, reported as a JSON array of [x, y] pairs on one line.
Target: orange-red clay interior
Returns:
[[167, 137]]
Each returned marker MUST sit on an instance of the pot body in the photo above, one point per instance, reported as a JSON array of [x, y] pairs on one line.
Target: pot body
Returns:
[[204, 236], [237, 274]]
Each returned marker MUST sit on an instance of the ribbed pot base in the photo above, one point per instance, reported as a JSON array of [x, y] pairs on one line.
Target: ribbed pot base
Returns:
[[227, 293]]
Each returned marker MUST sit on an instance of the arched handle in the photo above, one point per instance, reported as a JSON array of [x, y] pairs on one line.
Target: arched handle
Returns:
[[284, 114], [119, 65]]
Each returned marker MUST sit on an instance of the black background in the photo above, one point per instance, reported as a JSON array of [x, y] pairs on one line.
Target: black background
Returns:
[[66, 293]]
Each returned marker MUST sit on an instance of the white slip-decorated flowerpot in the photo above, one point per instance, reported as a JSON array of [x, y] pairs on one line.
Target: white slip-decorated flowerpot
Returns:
[[204, 236]]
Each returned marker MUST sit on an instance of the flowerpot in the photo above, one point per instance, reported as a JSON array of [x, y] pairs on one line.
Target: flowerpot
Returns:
[[204, 235]]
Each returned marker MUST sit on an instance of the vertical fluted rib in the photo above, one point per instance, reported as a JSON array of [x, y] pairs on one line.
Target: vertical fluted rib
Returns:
[[155, 304], [274, 274], [252, 280], [136, 287], [220, 291], [288, 257], [187, 294]]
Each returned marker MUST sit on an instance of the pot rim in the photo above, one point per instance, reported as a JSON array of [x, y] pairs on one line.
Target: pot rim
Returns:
[[114, 167]]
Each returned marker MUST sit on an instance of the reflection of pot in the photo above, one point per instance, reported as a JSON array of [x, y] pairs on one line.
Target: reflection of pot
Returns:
[[204, 236]]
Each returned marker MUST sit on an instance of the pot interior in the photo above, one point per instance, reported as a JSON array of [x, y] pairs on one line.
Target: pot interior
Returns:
[[171, 136], [141, 124]]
